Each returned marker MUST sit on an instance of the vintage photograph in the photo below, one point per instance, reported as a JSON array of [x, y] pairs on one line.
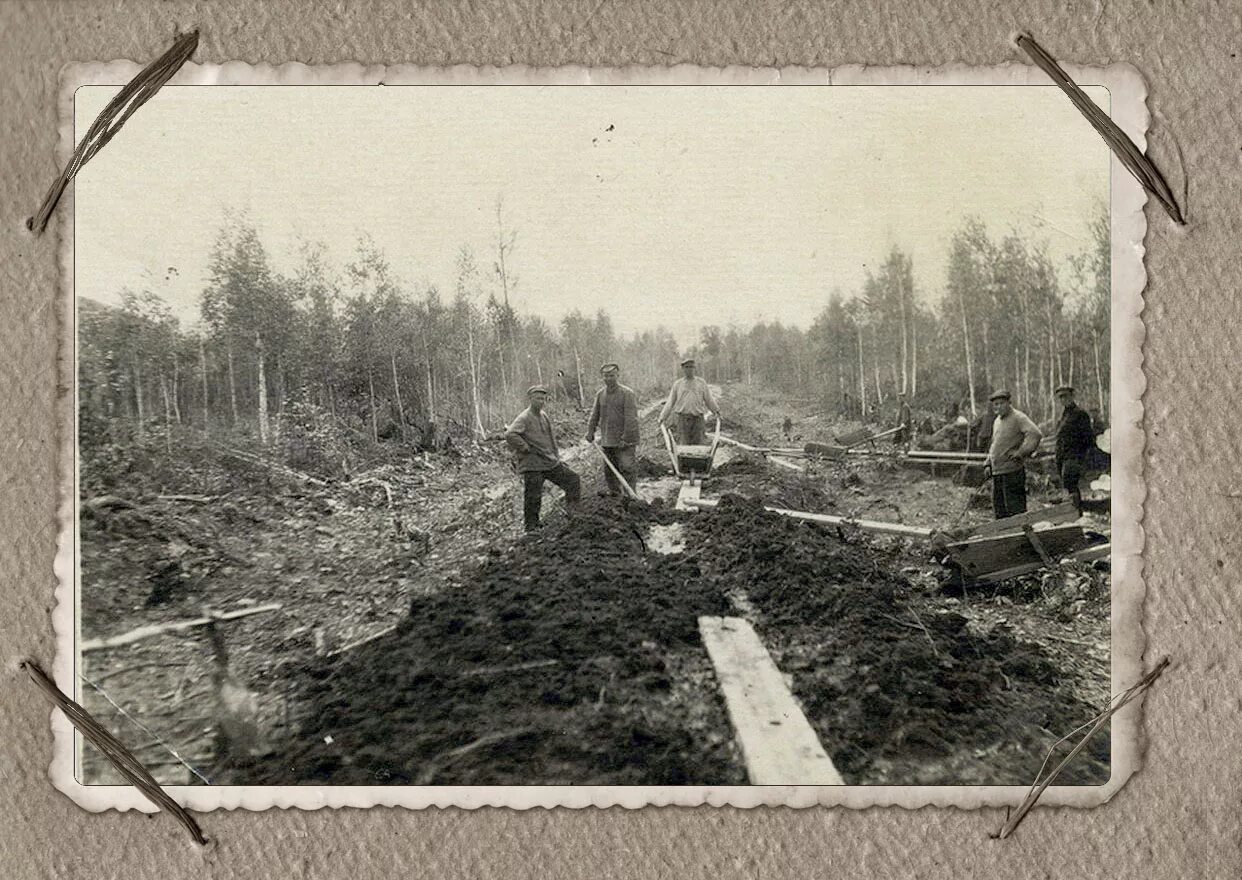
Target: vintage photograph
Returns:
[[569, 435]]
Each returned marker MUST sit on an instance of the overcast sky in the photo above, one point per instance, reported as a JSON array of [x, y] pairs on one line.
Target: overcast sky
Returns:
[[681, 206]]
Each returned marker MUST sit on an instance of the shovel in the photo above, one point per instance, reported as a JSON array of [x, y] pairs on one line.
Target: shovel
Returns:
[[616, 473]]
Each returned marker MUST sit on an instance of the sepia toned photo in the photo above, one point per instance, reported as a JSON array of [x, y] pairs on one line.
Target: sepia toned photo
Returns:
[[494, 435]]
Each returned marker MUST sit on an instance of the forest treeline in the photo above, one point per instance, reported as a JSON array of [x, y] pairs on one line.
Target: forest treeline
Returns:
[[356, 346]]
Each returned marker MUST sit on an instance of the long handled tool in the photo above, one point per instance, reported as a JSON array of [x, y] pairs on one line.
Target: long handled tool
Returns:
[[671, 446], [987, 478], [616, 473]]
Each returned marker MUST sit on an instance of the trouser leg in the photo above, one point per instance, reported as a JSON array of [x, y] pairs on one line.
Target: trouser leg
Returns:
[[1071, 477], [998, 497], [532, 498], [627, 464], [1013, 494], [569, 482], [691, 429], [612, 453]]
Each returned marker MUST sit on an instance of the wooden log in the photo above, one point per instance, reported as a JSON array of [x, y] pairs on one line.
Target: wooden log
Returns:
[[932, 453], [777, 742], [884, 528], [146, 632]]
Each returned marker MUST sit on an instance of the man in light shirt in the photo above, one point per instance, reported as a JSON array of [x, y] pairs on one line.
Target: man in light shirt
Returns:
[[1014, 439], [690, 399]]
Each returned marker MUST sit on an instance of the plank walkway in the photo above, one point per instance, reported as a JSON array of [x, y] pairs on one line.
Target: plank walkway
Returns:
[[777, 742]]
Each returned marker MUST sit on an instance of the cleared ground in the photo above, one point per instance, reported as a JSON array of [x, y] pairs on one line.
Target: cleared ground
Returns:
[[573, 656]]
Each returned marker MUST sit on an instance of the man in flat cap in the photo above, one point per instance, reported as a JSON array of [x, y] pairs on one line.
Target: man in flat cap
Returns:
[[538, 458], [1075, 437], [690, 399], [1014, 439], [615, 416]]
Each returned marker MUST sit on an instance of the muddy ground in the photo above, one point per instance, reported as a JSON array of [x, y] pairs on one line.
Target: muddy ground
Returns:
[[573, 656]]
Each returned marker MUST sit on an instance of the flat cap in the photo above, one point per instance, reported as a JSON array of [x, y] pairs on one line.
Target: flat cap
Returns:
[[536, 389], [607, 367], [1064, 388], [688, 362], [1002, 394]]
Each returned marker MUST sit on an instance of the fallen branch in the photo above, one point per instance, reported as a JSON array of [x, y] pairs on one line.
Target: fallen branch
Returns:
[[146, 632], [272, 466], [439, 762]]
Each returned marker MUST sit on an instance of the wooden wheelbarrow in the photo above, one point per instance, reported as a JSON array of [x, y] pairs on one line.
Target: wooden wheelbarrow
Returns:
[[690, 461]]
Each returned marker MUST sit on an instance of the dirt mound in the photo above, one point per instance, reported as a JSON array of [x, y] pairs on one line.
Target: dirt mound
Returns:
[[897, 689], [559, 662], [750, 475]]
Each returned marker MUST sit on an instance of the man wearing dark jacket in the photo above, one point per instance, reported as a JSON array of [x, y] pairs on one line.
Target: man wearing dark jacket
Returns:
[[615, 416], [1075, 437], [533, 441]]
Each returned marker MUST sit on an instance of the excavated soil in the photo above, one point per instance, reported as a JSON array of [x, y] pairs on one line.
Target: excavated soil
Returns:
[[900, 692], [573, 659]]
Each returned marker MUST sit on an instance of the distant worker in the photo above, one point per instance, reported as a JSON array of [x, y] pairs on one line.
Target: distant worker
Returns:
[[1075, 438], [690, 399], [1014, 439], [905, 421], [538, 458], [615, 415], [787, 427]]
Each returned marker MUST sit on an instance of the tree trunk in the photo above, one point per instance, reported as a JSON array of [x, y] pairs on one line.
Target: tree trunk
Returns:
[[578, 367], [202, 375], [905, 349], [138, 399], [875, 365], [167, 415], [1099, 379], [474, 382], [431, 394], [176, 407], [862, 376], [232, 382], [396, 389], [914, 357], [371, 390], [970, 364], [263, 424]]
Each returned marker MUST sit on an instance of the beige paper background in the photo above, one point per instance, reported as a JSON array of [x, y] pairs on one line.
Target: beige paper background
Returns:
[[1177, 818]]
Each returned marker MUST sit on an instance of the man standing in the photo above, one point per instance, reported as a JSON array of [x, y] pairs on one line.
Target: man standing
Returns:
[[538, 458], [905, 420], [1014, 438], [690, 399], [1075, 437], [615, 415]]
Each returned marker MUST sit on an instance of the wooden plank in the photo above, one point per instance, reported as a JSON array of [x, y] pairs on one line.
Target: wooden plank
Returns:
[[1038, 545], [1089, 554], [688, 495], [1058, 513], [979, 556], [777, 742], [146, 632], [932, 453], [865, 525]]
